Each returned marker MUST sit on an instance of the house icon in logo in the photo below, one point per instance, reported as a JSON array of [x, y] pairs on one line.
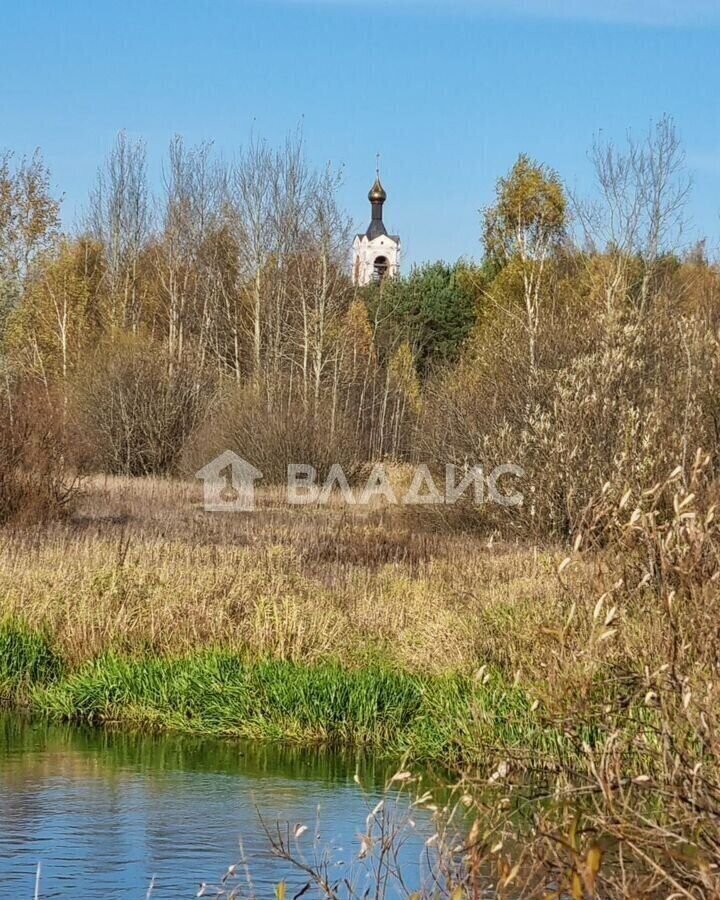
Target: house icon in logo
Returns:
[[229, 483]]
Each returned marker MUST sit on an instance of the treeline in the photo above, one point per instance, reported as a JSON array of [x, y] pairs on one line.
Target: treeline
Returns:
[[219, 312]]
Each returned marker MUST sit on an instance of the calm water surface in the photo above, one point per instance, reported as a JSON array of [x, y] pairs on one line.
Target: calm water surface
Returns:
[[104, 812]]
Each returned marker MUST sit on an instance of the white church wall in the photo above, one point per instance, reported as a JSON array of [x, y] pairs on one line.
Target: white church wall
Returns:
[[366, 252]]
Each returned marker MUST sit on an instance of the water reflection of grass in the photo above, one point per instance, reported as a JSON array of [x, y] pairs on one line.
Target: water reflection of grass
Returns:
[[36, 745]]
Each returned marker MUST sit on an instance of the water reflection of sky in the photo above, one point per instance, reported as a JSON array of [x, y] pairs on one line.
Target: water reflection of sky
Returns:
[[103, 812]]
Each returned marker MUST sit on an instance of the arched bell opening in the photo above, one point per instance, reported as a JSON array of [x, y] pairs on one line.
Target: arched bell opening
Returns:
[[380, 268]]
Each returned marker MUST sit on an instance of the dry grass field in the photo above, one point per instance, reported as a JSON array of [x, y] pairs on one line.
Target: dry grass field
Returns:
[[369, 627], [142, 566]]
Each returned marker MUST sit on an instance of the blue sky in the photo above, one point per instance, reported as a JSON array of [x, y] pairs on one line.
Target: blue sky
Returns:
[[448, 91]]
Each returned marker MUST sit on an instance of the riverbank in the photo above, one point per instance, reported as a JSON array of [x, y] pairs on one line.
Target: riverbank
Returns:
[[311, 626], [367, 629], [452, 719]]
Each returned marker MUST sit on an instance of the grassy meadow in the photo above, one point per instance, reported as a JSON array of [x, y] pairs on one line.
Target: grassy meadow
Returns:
[[378, 629], [314, 625], [299, 624]]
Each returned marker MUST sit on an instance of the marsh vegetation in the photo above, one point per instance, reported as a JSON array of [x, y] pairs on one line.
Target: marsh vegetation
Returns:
[[585, 673]]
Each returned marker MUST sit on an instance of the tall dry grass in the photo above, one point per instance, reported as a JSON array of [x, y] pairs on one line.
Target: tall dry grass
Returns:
[[635, 660], [612, 648], [647, 639], [142, 567]]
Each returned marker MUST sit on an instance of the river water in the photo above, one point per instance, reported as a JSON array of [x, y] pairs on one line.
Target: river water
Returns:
[[105, 812]]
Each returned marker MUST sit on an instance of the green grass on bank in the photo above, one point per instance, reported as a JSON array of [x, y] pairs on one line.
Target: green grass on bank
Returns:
[[27, 658], [444, 718]]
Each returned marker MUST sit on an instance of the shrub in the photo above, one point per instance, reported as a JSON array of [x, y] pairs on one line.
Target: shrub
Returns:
[[35, 483], [273, 432], [619, 399], [137, 407]]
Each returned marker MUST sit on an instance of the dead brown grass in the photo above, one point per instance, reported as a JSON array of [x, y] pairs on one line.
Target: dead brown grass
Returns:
[[142, 566]]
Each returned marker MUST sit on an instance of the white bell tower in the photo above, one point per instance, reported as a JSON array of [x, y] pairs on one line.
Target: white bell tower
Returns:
[[376, 254]]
